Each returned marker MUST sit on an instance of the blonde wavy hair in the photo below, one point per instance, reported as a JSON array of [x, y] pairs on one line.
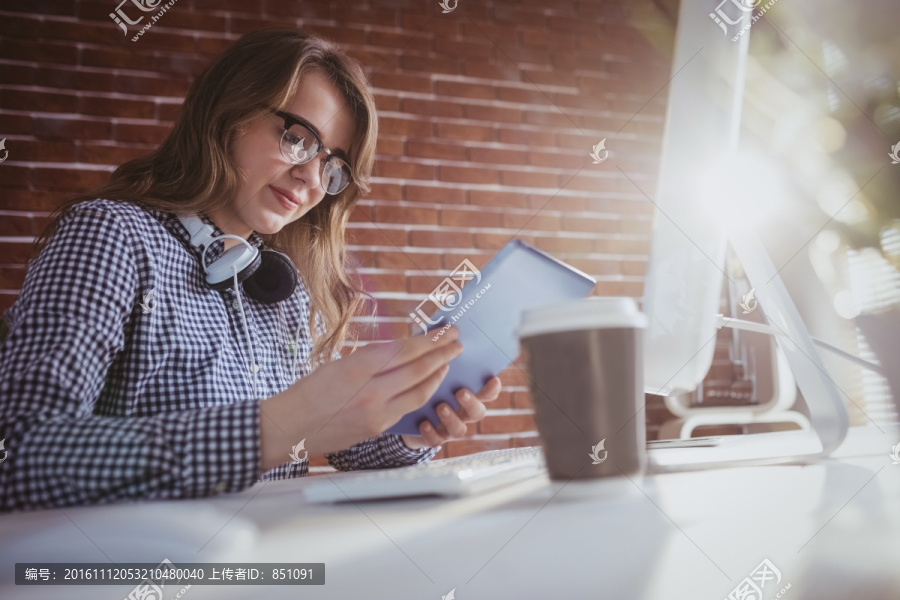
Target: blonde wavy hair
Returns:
[[193, 171]]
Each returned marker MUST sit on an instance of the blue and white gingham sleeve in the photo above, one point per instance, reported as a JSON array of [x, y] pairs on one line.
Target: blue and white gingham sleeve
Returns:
[[383, 451], [68, 326]]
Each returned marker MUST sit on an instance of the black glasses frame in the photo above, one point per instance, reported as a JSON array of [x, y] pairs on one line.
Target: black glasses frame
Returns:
[[290, 121]]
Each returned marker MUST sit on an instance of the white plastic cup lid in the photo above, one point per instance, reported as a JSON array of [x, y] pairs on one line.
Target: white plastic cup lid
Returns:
[[593, 312]]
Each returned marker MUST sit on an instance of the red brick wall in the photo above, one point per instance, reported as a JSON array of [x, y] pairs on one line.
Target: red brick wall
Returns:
[[487, 116]]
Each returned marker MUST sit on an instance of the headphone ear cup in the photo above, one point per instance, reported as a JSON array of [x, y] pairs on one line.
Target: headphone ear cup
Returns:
[[275, 279], [220, 274]]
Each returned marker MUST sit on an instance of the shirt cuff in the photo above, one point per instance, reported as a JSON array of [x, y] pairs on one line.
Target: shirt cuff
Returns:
[[397, 449], [222, 448], [386, 450]]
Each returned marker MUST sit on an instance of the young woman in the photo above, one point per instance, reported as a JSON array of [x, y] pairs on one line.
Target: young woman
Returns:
[[141, 362]]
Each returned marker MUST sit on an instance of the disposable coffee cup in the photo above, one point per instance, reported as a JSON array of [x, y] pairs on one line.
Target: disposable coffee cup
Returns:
[[585, 361]]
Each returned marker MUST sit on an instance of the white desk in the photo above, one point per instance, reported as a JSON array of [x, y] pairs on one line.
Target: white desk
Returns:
[[832, 529]]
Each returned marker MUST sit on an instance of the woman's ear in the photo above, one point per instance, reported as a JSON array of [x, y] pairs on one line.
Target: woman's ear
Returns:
[[239, 131]]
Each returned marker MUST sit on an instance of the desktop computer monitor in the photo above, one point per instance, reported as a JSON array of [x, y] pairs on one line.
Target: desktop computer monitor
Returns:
[[688, 245]]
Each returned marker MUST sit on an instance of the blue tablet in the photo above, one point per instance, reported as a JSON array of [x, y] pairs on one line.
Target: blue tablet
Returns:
[[486, 306]]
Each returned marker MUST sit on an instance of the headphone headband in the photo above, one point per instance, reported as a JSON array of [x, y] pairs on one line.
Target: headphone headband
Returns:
[[201, 233]]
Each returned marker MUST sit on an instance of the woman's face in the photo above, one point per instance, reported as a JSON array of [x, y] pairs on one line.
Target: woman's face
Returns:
[[268, 181]]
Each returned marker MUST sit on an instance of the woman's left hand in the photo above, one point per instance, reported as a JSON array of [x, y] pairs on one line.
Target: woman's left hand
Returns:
[[453, 424]]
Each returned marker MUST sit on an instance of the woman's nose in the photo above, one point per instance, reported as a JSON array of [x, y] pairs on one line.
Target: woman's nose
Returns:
[[310, 171]]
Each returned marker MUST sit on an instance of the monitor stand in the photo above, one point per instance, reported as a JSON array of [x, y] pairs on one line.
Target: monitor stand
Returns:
[[778, 389], [827, 413]]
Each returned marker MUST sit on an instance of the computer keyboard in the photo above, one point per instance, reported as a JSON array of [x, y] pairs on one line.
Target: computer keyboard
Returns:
[[459, 476]]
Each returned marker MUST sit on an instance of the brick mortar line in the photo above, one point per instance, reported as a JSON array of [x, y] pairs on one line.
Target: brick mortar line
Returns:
[[496, 187], [547, 191], [376, 202], [507, 104], [509, 167], [92, 69], [157, 100], [488, 253], [485, 251], [70, 116], [367, 225]]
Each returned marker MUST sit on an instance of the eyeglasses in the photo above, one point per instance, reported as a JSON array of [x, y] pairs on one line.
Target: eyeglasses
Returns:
[[300, 144]]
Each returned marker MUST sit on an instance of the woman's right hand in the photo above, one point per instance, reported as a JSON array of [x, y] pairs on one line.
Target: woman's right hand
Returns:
[[356, 397]]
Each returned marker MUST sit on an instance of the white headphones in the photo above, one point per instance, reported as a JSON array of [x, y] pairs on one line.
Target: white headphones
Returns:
[[267, 276]]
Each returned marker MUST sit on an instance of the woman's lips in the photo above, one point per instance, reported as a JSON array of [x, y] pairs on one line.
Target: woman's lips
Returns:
[[284, 198]]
